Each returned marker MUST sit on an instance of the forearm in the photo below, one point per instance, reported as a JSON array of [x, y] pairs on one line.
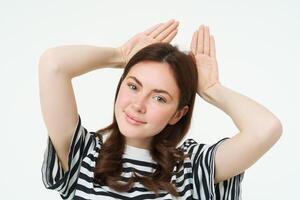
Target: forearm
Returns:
[[248, 115], [75, 60]]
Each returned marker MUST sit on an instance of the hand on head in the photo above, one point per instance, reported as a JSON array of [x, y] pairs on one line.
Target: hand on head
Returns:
[[202, 49], [162, 32]]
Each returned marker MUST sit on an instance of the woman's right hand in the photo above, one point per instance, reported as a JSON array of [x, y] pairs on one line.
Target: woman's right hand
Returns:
[[162, 32]]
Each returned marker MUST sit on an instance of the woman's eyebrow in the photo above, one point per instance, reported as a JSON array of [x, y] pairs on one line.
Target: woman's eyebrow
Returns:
[[155, 90]]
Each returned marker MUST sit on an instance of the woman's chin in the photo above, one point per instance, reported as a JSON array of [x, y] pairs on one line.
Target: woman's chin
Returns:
[[130, 133]]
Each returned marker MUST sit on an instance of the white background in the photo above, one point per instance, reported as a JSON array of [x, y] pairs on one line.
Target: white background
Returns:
[[258, 55]]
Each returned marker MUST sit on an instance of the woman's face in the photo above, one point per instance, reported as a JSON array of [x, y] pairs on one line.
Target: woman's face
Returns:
[[150, 95]]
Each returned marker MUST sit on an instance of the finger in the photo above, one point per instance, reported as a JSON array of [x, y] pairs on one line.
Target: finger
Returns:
[[161, 28], [194, 43], [212, 47], [149, 30], [200, 40], [170, 37], [167, 31], [206, 41]]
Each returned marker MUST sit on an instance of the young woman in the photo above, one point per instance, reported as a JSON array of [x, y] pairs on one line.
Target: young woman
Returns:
[[140, 158]]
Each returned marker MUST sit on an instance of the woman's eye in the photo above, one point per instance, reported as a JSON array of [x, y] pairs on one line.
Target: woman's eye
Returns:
[[161, 99], [131, 85]]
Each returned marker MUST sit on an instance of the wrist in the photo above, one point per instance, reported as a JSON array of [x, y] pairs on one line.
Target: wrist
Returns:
[[211, 93], [118, 59]]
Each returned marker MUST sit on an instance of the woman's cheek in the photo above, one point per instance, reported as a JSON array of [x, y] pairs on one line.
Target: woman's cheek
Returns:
[[124, 97], [157, 115]]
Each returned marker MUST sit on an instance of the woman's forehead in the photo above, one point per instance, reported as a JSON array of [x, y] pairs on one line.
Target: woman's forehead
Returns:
[[152, 70], [154, 75]]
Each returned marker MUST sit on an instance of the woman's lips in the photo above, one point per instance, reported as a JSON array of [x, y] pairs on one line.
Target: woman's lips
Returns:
[[132, 120]]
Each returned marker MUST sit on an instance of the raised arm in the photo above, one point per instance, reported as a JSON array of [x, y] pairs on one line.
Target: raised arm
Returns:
[[259, 128], [57, 67]]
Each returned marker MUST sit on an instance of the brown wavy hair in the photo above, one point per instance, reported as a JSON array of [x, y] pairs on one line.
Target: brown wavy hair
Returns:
[[163, 145]]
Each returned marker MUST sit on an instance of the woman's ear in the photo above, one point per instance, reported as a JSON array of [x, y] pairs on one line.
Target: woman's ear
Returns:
[[178, 115]]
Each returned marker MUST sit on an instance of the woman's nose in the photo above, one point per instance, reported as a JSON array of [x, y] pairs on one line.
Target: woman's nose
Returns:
[[139, 104]]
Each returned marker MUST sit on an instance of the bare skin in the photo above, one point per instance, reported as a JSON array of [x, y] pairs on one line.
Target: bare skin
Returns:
[[59, 65], [259, 128]]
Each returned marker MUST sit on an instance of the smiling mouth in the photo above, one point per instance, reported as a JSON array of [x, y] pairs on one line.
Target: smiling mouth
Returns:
[[133, 121]]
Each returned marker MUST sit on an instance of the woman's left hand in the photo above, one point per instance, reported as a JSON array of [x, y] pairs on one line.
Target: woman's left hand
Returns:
[[204, 52]]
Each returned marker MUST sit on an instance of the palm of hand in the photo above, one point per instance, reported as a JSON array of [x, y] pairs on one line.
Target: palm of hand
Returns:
[[203, 49], [207, 72], [136, 43], [162, 32]]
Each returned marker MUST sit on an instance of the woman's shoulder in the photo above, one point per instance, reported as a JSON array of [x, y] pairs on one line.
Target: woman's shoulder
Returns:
[[187, 144], [97, 136], [190, 145]]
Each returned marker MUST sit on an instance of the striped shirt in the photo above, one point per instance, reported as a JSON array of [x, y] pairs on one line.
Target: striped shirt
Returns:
[[195, 179]]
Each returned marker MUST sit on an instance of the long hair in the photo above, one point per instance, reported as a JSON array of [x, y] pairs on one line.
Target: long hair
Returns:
[[163, 145]]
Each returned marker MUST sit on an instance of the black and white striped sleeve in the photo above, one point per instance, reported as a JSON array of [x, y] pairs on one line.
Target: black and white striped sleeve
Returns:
[[53, 175], [203, 168]]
